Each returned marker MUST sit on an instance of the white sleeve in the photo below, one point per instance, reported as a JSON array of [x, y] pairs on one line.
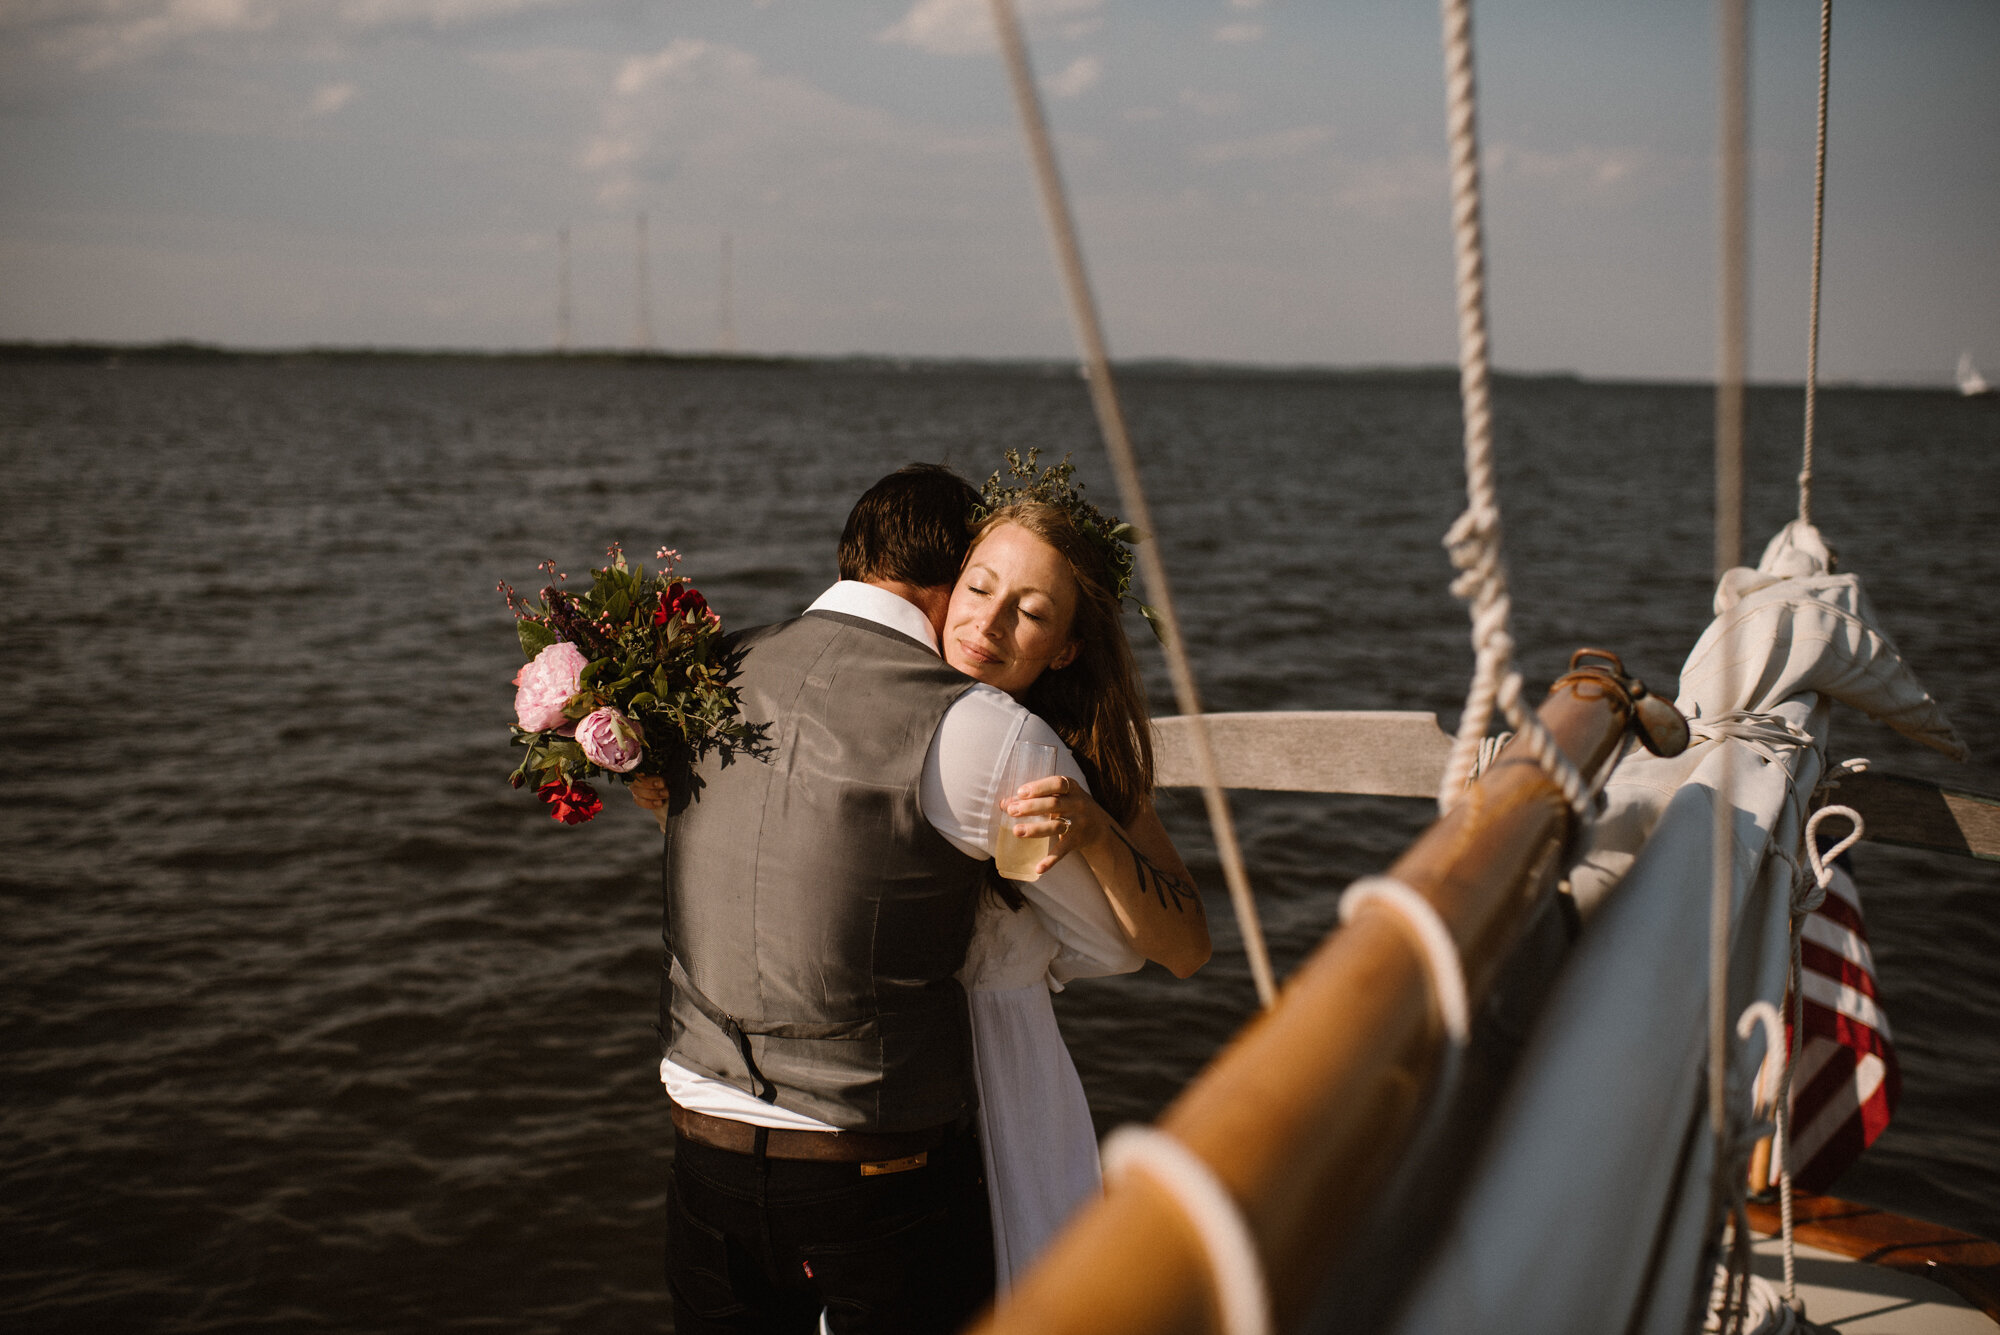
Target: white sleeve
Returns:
[[961, 799]]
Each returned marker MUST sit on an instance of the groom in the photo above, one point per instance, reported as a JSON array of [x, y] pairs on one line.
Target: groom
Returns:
[[819, 900]]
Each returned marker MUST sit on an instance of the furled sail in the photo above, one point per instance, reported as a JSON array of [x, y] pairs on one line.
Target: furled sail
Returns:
[[1590, 1208]]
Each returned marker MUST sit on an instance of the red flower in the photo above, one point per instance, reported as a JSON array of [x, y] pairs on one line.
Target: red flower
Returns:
[[682, 600], [571, 803]]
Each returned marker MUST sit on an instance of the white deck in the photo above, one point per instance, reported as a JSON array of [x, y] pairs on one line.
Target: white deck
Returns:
[[1860, 1299]]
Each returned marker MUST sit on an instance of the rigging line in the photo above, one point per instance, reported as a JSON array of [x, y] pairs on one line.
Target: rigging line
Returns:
[[1733, 37], [1819, 231], [1733, 189], [1474, 538], [1132, 496]]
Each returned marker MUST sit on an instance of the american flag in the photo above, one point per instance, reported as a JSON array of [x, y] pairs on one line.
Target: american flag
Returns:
[[1846, 1082]]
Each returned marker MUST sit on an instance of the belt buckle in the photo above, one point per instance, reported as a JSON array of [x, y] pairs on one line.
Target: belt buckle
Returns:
[[902, 1165]]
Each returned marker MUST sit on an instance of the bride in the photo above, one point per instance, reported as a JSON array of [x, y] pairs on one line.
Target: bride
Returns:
[[1035, 614]]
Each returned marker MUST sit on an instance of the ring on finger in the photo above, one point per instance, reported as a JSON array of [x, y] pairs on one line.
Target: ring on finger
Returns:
[[1065, 826]]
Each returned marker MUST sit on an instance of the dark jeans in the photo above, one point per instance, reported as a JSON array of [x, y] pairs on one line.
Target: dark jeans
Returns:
[[759, 1244]]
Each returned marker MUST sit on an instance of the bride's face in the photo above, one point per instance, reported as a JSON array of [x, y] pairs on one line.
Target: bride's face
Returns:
[[1011, 611]]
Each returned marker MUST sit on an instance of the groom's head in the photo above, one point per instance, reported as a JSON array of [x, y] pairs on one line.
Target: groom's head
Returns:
[[909, 532]]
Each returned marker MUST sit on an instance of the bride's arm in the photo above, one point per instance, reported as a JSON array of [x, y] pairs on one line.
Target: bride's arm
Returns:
[[1150, 889]]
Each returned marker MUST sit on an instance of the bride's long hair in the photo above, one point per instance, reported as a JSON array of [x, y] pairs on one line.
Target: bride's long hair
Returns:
[[1095, 704]]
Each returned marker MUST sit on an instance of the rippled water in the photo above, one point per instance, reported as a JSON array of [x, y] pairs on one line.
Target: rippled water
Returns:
[[311, 1022]]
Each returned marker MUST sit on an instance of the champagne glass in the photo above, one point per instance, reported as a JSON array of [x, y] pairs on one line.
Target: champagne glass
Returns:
[[1016, 857]]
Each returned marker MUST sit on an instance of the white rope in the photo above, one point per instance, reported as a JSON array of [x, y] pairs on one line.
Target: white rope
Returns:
[[1821, 868], [1806, 897], [1819, 231], [1770, 1071], [1757, 1311], [1132, 495], [1474, 538], [1441, 958], [1235, 1272]]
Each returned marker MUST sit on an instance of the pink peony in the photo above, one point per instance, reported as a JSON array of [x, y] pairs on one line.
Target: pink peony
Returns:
[[546, 686], [610, 740]]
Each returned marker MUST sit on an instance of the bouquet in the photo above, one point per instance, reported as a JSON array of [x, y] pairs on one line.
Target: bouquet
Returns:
[[620, 681]]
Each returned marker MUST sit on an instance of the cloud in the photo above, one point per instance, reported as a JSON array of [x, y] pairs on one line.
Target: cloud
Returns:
[[1389, 186], [108, 32], [330, 98], [677, 58], [711, 117], [1239, 32], [1265, 147], [1076, 79], [1586, 165], [1246, 4], [965, 27], [98, 33], [1210, 104], [433, 13]]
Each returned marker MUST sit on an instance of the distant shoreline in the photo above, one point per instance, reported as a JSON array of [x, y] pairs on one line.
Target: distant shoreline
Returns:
[[187, 351]]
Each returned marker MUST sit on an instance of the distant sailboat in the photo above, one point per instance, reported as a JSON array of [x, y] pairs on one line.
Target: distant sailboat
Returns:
[[1970, 382]]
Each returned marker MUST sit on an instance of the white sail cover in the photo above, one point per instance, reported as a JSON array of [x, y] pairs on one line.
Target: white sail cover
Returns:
[[1588, 1208]]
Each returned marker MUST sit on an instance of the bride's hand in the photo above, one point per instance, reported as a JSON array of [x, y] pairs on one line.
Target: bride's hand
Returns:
[[1059, 810]]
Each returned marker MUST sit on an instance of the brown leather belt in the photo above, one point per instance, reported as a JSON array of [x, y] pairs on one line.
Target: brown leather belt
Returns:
[[883, 1151]]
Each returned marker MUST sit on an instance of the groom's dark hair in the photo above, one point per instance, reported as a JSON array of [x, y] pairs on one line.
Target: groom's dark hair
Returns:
[[913, 526]]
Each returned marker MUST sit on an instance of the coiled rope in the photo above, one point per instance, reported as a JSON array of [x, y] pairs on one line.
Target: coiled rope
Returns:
[[1474, 537], [1819, 231], [1131, 494]]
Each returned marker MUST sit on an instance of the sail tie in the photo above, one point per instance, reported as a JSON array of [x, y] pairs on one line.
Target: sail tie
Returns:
[[1235, 1273], [1442, 961]]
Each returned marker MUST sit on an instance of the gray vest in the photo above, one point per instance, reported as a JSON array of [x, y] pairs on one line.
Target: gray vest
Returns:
[[814, 918]]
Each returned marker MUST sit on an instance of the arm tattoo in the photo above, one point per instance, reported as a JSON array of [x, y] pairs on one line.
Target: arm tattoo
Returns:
[[1170, 890]]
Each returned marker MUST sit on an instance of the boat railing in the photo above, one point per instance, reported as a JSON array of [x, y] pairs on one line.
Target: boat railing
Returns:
[[1401, 753]]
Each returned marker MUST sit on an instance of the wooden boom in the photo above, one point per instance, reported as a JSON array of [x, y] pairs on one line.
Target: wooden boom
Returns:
[[1302, 1118]]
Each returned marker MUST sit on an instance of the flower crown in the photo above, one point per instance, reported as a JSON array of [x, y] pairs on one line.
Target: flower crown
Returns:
[[1054, 485]]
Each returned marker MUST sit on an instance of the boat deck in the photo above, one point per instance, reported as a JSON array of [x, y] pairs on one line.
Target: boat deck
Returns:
[[1856, 1298]]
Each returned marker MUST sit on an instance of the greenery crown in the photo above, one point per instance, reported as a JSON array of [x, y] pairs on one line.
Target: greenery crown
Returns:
[[1056, 485]]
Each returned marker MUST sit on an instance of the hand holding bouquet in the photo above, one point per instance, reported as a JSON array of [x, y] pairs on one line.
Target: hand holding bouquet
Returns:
[[620, 681]]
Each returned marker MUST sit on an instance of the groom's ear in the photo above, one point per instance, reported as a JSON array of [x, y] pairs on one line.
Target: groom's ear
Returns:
[[1068, 655]]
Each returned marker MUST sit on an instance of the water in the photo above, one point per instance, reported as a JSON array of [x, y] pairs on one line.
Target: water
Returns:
[[311, 1022]]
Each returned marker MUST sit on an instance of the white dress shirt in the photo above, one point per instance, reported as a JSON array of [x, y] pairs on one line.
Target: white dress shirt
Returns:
[[963, 773]]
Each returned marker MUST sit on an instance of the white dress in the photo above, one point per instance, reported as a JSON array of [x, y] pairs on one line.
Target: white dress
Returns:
[[1035, 1129]]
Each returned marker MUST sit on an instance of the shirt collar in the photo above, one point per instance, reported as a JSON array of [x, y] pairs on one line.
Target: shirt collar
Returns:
[[879, 606]]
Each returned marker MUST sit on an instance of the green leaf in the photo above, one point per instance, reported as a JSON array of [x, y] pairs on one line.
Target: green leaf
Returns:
[[535, 637], [1153, 619]]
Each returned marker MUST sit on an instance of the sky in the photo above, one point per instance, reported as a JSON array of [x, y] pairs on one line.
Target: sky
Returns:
[[1255, 181]]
